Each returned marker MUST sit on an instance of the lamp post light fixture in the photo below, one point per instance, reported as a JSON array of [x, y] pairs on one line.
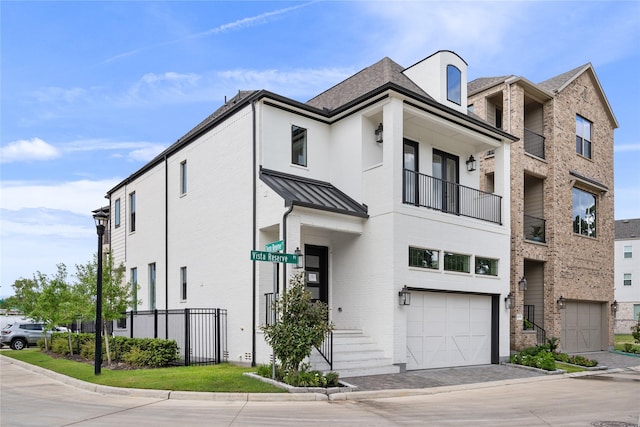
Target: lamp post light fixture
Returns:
[[404, 296], [101, 219], [378, 133], [522, 284], [562, 303], [299, 264], [471, 164], [509, 301], [614, 307]]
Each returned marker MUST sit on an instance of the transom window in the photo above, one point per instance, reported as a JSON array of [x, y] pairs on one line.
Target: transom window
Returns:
[[298, 145], [424, 258], [584, 213], [627, 279], [486, 266], [454, 80], [456, 262], [627, 251], [583, 136]]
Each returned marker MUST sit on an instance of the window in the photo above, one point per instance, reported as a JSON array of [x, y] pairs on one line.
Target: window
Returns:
[[636, 311], [627, 279], [298, 145], [134, 288], [454, 81], [183, 283], [456, 262], [487, 266], [584, 213], [152, 286], [132, 212], [499, 118], [627, 251], [583, 136], [183, 177], [424, 258], [122, 321], [116, 214]]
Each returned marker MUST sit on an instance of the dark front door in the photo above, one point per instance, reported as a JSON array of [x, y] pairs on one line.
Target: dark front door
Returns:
[[316, 265], [411, 168], [445, 168]]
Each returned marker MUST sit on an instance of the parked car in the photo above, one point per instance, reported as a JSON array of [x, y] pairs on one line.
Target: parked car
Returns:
[[22, 334]]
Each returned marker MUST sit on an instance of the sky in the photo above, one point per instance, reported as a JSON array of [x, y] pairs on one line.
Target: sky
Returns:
[[92, 90]]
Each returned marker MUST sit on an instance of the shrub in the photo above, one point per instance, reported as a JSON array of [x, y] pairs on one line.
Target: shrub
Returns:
[[60, 346], [136, 357], [635, 330], [536, 357]]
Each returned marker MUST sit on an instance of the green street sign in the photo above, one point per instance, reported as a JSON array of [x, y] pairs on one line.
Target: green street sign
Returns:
[[274, 257], [274, 246]]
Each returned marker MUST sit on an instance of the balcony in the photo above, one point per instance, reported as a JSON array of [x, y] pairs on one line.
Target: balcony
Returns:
[[534, 143], [449, 197], [534, 229]]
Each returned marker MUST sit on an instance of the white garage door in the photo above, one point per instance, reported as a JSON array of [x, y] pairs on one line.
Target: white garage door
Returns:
[[448, 330], [581, 327]]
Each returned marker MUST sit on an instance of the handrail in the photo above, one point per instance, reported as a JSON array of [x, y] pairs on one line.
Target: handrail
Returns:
[[326, 349]]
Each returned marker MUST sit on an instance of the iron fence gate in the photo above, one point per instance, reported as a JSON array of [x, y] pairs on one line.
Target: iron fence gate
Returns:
[[201, 333]]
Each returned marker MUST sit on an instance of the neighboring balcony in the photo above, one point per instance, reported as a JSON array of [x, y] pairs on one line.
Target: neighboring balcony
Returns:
[[449, 197], [534, 143], [535, 229]]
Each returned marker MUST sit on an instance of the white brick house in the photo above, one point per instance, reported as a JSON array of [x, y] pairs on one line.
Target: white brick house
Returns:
[[627, 274], [372, 213]]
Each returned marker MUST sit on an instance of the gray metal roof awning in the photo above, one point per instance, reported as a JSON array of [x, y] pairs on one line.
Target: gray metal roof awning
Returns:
[[310, 193], [589, 182]]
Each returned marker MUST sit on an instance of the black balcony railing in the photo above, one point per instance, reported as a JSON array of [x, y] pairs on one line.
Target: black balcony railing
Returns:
[[534, 229], [434, 193], [534, 143]]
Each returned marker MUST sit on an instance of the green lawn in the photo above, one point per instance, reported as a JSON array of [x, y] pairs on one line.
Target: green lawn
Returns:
[[569, 368], [212, 378], [623, 338]]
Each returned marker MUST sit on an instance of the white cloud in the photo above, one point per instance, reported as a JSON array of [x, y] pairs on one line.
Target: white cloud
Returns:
[[620, 148], [28, 150], [146, 153]]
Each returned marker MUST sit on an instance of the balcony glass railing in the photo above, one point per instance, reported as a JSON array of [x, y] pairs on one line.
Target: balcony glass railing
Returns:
[[434, 193]]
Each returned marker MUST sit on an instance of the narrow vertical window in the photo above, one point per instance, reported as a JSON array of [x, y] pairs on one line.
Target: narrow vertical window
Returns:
[[183, 283], [134, 288], [183, 177], [132, 211], [454, 80], [584, 213], [116, 214], [298, 145], [152, 286], [583, 136]]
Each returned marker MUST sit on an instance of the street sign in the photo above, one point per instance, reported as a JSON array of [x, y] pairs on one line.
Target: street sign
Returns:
[[275, 246], [274, 257]]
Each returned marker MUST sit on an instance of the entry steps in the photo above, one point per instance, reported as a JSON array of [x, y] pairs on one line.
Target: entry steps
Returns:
[[354, 355]]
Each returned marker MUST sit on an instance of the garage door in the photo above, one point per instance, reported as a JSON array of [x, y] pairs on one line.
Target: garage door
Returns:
[[581, 327], [448, 330]]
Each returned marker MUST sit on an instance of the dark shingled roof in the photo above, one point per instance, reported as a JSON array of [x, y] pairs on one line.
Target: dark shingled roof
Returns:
[[363, 82], [628, 229], [483, 83], [555, 83], [310, 193]]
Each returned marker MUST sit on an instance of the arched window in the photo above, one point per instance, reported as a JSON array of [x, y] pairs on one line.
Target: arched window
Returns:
[[454, 79]]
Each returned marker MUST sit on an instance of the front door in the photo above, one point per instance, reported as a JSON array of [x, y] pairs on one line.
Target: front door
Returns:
[[410, 173], [316, 265], [445, 168]]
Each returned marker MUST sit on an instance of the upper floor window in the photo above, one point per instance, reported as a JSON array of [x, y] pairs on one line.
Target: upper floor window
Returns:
[[134, 288], [627, 251], [298, 145], [584, 213], [132, 211], [116, 213], [486, 266], [454, 81], [456, 262], [627, 279], [424, 258], [183, 177], [583, 136]]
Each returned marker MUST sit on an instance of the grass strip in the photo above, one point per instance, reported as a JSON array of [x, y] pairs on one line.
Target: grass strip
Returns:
[[210, 378]]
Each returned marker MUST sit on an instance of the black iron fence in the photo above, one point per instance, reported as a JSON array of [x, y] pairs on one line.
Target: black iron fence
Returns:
[[534, 143], [434, 193], [201, 333]]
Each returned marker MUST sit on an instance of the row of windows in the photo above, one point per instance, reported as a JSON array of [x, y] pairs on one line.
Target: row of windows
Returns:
[[430, 259], [152, 284]]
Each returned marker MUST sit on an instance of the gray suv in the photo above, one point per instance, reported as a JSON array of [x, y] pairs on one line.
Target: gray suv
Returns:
[[21, 335]]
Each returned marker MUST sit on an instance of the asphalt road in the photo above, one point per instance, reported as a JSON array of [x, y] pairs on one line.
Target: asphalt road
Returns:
[[599, 399]]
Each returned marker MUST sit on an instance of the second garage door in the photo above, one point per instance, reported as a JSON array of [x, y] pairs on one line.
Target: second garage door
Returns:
[[582, 327], [445, 329]]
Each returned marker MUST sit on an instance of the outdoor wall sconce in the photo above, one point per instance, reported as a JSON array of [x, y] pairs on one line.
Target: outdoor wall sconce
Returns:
[[404, 296], [298, 252], [509, 301], [471, 164], [614, 307], [522, 284], [378, 133], [562, 303]]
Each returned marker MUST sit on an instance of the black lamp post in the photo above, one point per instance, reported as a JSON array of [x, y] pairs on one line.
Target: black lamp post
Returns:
[[101, 219]]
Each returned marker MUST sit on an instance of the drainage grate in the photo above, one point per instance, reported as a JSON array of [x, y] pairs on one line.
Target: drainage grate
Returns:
[[613, 424]]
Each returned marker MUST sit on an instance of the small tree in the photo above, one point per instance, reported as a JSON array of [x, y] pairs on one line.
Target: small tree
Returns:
[[302, 324]]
